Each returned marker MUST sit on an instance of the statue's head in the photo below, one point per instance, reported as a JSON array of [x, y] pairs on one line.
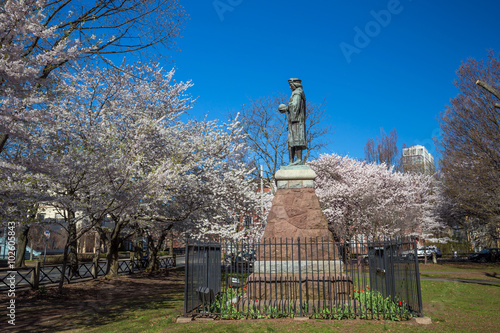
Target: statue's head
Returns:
[[295, 83]]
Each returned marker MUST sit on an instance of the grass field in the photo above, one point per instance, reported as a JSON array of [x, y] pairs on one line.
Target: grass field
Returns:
[[152, 304]]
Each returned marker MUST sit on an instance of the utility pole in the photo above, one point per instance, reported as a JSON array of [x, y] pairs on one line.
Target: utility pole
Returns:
[[261, 192]]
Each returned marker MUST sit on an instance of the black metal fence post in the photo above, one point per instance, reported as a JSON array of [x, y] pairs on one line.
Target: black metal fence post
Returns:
[[186, 278], [301, 304], [417, 274]]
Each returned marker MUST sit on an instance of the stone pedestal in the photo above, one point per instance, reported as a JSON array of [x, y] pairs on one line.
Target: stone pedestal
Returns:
[[295, 211], [296, 255]]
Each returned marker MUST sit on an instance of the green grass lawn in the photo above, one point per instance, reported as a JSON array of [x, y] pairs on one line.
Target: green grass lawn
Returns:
[[452, 306], [462, 307]]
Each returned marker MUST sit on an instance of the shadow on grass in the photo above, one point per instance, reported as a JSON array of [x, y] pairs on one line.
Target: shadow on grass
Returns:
[[483, 283], [99, 302]]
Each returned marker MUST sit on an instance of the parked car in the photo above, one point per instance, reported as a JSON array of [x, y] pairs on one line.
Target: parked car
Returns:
[[486, 255], [430, 250], [421, 252], [242, 261]]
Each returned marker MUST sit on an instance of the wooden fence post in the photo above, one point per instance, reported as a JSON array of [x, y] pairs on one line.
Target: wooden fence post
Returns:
[[132, 262], [95, 268], [35, 275]]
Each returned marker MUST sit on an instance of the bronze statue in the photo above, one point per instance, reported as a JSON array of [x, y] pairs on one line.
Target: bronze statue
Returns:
[[296, 110]]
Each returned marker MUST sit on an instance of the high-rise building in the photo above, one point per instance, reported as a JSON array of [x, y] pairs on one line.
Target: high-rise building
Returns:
[[418, 159]]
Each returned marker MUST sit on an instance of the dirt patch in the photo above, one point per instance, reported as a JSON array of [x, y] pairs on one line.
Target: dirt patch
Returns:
[[91, 302]]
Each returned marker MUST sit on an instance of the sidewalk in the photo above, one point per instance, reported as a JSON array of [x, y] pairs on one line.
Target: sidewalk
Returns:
[[460, 280]]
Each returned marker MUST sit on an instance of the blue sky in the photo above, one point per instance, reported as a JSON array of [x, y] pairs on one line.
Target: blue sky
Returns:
[[400, 75]]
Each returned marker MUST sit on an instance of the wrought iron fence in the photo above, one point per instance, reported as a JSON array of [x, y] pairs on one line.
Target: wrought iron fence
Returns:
[[50, 274], [303, 277]]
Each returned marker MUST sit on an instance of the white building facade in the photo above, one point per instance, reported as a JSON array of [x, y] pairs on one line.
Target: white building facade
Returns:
[[418, 159]]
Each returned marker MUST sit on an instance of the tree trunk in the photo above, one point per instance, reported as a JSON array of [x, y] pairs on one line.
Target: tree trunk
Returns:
[[3, 140], [113, 244], [171, 243], [139, 253], [152, 258], [72, 242], [112, 257], [153, 250], [97, 254], [63, 270], [22, 242]]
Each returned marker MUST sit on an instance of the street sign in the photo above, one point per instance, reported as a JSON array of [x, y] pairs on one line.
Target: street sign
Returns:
[[46, 233]]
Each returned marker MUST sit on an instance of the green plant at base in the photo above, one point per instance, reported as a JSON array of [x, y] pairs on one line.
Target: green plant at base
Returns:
[[374, 305], [273, 312], [224, 306], [42, 290]]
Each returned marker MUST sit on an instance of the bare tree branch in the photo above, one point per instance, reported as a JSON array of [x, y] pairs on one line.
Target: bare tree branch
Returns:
[[383, 150], [470, 144]]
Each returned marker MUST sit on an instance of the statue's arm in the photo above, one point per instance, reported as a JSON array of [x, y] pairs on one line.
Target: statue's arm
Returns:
[[283, 108]]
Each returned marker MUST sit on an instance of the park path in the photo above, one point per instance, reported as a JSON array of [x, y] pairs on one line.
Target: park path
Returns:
[[459, 280]]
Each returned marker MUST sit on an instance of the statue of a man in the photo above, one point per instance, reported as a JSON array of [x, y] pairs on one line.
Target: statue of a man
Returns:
[[296, 109]]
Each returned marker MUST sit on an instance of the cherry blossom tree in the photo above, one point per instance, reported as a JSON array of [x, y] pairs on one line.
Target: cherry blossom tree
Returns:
[[200, 190], [120, 150], [109, 142], [369, 199], [40, 37], [215, 189], [25, 63], [114, 128]]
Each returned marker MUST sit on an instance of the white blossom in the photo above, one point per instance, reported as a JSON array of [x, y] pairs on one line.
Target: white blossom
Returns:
[[363, 198]]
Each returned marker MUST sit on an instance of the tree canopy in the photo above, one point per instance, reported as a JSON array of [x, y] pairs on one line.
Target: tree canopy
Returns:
[[470, 144], [360, 198], [39, 37]]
